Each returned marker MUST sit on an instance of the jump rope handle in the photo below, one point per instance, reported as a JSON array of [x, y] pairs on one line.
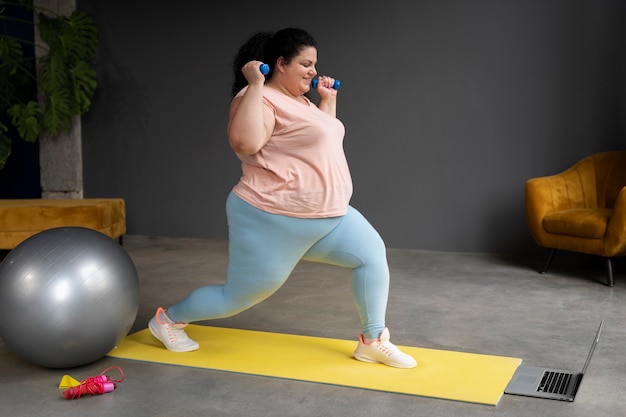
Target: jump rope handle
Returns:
[[265, 69]]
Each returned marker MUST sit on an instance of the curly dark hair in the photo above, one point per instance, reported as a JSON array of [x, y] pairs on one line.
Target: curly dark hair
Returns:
[[268, 47]]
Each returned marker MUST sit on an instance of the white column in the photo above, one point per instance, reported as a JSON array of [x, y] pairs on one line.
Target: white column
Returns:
[[60, 158]]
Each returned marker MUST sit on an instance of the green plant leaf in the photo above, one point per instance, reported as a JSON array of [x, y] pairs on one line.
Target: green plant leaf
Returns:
[[50, 29], [53, 74], [17, 81], [5, 145], [58, 114], [11, 54], [66, 81], [74, 37], [11, 70], [80, 36], [85, 83], [25, 117]]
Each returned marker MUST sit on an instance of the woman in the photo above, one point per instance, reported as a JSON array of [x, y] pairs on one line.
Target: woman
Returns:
[[292, 201]]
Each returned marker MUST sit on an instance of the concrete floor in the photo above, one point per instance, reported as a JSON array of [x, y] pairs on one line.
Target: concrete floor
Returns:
[[477, 303]]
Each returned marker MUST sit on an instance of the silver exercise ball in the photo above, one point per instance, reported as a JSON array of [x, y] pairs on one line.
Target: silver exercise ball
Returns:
[[67, 297]]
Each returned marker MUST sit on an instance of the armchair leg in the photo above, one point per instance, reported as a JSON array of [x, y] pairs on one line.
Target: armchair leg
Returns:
[[548, 261], [609, 272]]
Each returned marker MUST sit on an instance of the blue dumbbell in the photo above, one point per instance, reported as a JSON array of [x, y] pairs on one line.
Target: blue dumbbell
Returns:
[[265, 69], [336, 84]]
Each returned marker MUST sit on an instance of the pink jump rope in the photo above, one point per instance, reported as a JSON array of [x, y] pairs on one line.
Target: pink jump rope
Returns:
[[94, 385]]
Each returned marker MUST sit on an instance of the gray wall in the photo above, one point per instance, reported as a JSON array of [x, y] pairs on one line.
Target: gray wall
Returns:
[[449, 106]]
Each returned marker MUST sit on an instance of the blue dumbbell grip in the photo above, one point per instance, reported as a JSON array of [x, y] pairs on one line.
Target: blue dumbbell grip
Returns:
[[336, 84], [265, 69]]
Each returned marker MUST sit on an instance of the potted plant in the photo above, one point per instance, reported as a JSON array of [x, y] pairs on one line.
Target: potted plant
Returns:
[[62, 77]]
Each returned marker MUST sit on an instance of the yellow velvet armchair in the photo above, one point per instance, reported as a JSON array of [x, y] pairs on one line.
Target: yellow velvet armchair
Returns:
[[582, 209]]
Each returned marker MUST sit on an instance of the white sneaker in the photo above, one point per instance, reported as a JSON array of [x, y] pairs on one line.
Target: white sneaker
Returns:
[[383, 351], [171, 334]]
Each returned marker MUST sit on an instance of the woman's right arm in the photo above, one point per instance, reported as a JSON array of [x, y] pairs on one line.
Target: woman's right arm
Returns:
[[251, 122]]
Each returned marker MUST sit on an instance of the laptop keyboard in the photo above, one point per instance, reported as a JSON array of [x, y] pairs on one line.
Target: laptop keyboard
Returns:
[[554, 382]]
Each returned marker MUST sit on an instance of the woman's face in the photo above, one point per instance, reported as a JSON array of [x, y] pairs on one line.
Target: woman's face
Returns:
[[300, 71]]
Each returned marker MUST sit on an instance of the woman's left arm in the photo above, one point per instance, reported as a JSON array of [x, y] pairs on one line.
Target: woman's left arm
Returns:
[[328, 95]]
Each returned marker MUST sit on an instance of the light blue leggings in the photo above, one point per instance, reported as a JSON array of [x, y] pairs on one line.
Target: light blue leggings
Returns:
[[264, 249]]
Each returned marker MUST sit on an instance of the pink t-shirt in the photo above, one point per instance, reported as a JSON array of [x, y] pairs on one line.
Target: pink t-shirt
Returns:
[[302, 171]]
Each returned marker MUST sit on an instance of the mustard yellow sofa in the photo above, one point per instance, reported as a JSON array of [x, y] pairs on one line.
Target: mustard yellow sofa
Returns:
[[22, 218], [582, 209]]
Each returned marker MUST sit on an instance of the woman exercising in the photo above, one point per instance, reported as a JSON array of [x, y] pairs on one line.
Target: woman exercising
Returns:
[[292, 201]]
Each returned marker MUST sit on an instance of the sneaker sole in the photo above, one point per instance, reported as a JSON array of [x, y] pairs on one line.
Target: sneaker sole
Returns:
[[367, 359]]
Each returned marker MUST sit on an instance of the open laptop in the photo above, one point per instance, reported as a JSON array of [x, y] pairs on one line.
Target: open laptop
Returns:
[[551, 383]]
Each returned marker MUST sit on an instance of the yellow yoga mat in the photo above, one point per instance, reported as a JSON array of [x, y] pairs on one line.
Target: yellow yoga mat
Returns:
[[441, 374]]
